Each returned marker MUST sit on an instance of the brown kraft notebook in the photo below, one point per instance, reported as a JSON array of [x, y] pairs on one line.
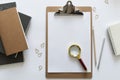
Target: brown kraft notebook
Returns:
[[11, 32]]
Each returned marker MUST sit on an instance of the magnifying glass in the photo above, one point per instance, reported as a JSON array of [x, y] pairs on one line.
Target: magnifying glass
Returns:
[[75, 51]]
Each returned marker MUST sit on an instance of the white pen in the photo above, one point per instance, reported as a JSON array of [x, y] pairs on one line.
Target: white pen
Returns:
[[101, 53]]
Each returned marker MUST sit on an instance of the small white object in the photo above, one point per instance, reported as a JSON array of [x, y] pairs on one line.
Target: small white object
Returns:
[[96, 16], [42, 45], [39, 54], [94, 9], [40, 67], [36, 51], [106, 2]]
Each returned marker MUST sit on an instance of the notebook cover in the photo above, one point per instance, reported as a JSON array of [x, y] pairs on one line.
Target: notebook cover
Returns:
[[114, 34], [11, 59], [25, 19], [3, 7], [11, 32]]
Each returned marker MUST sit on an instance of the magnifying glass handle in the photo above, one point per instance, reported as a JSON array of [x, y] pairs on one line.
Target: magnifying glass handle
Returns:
[[82, 63]]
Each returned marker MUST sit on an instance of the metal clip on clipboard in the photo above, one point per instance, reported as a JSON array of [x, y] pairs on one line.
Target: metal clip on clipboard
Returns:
[[68, 9]]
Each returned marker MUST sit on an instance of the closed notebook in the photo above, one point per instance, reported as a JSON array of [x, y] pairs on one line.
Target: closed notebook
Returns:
[[3, 7], [114, 34], [25, 19], [11, 32]]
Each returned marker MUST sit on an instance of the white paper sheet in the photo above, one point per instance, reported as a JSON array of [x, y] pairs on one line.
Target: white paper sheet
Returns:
[[64, 31]]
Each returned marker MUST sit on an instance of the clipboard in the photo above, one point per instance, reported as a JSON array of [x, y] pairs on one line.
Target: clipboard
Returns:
[[54, 9]]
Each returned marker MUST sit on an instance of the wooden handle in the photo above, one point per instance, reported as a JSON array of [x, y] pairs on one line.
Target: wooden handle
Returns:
[[83, 65]]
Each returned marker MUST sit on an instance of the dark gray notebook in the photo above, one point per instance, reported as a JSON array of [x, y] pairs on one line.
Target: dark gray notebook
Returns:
[[25, 19]]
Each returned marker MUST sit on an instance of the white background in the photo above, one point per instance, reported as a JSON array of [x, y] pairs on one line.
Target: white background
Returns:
[[108, 13]]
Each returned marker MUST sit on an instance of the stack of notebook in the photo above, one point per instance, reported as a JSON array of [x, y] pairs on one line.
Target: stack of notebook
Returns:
[[13, 26]]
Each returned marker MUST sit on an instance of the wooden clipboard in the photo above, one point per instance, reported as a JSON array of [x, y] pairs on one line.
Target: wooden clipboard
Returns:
[[71, 74]]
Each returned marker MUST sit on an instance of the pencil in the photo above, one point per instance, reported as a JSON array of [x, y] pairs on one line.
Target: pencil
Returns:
[[101, 53], [95, 59]]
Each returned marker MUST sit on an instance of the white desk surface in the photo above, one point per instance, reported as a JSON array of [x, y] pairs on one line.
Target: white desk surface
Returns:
[[104, 14]]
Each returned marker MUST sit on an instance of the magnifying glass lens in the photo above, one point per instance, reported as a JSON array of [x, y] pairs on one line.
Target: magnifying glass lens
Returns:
[[74, 51]]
